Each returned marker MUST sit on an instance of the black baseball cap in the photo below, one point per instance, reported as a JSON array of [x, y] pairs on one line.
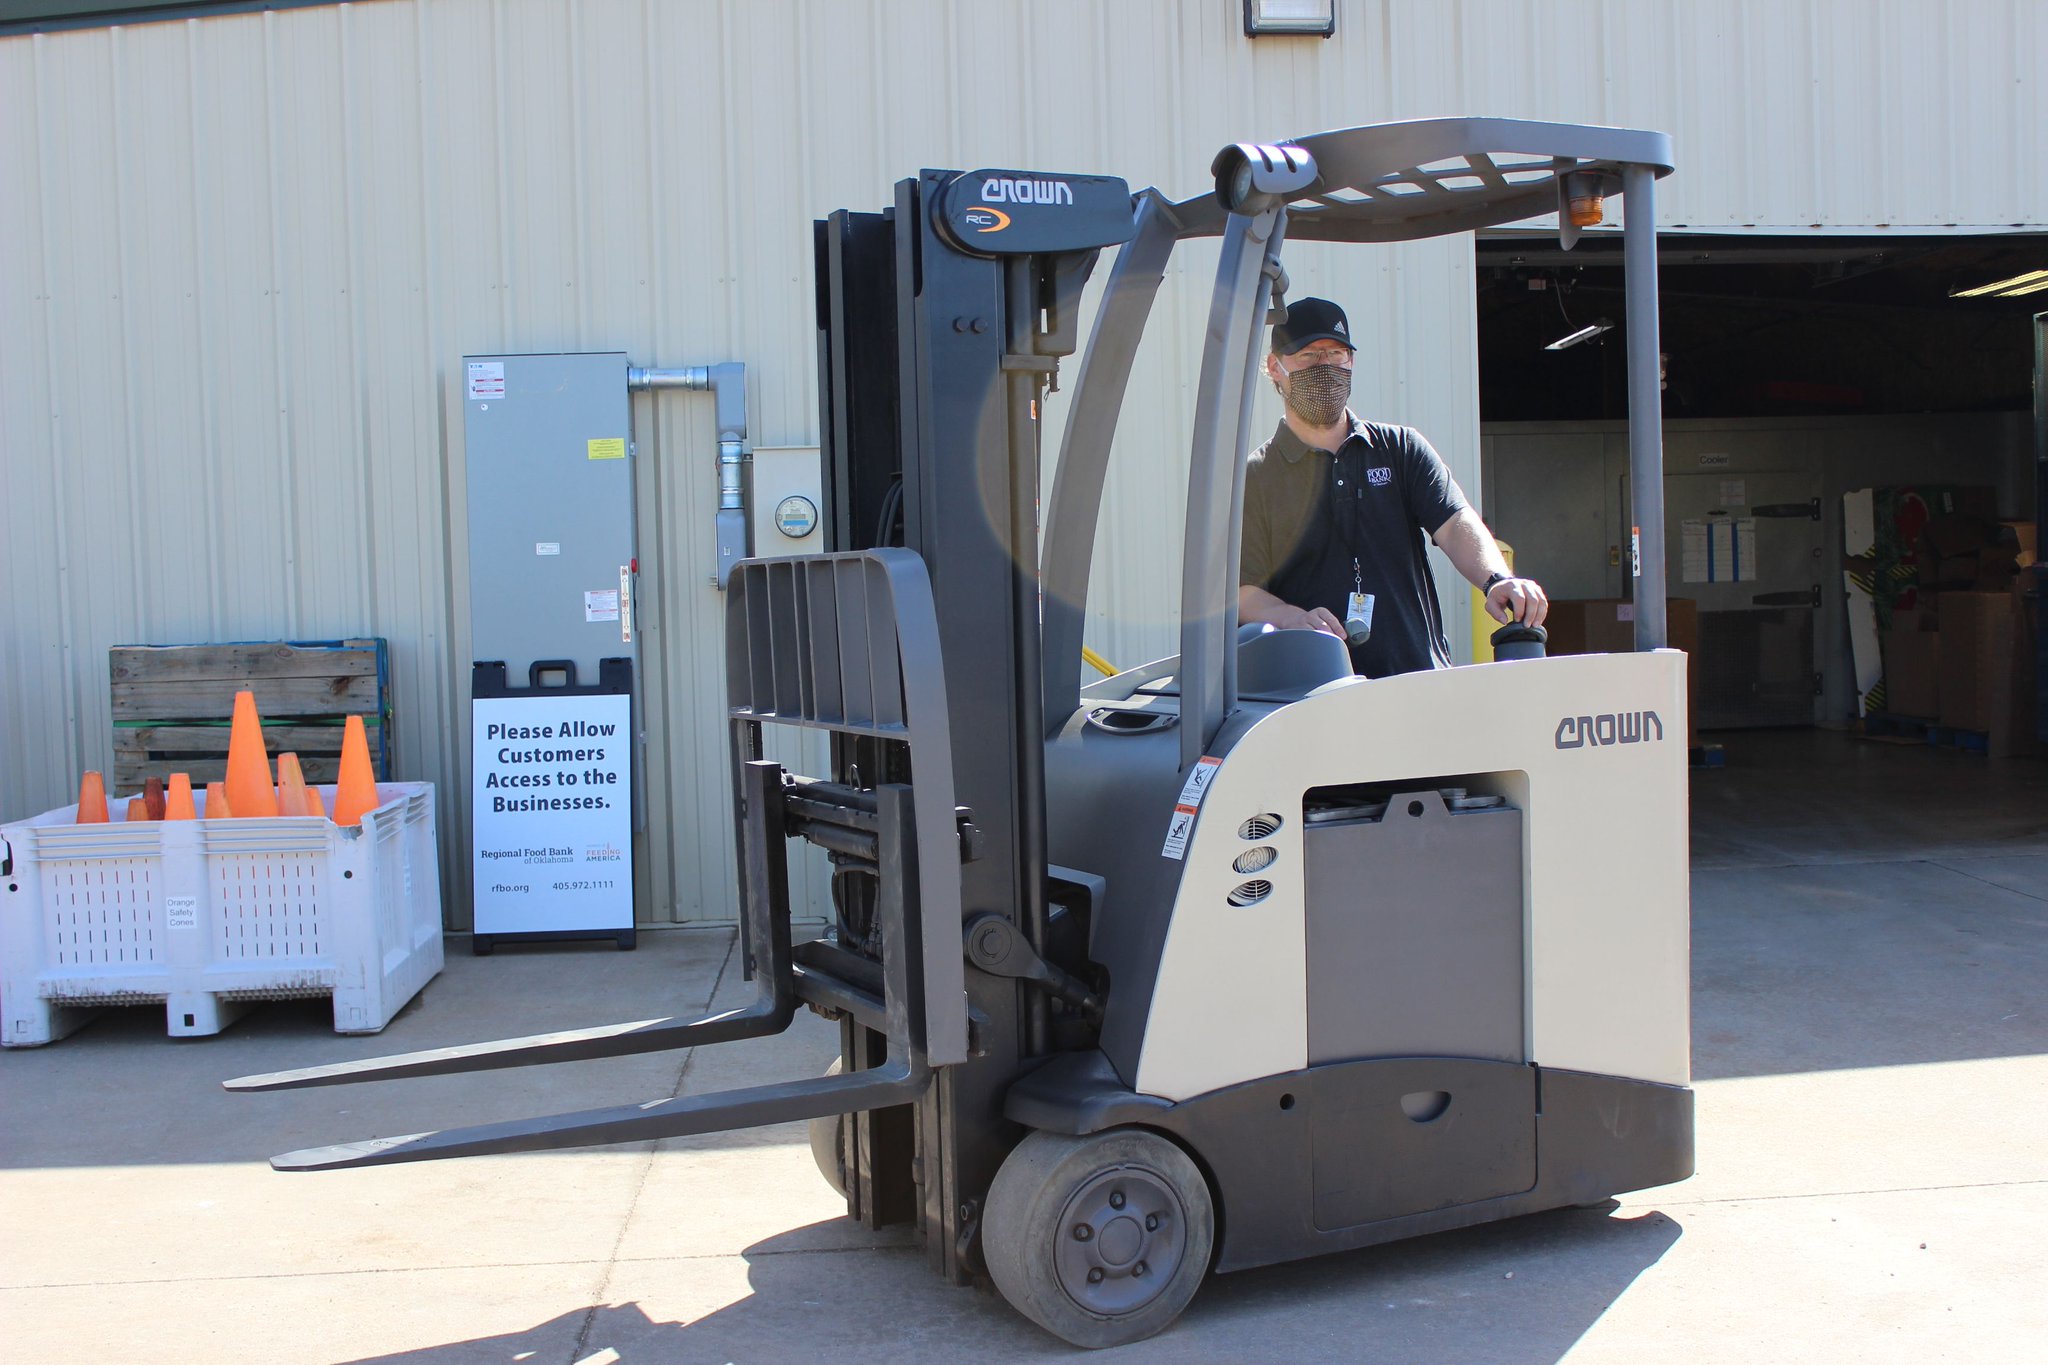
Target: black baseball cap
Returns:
[[1311, 320]]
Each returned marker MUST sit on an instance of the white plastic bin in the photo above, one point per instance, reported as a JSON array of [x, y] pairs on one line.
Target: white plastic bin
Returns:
[[208, 916]]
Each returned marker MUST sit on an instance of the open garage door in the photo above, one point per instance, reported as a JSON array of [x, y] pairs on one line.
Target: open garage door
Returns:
[[1796, 369]]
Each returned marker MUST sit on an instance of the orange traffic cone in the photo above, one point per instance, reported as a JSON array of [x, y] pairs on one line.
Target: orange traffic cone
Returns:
[[92, 800], [355, 792], [315, 807], [138, 809], [291, 786], [249, 788], [178, 805], [153, 797], [217, 802]]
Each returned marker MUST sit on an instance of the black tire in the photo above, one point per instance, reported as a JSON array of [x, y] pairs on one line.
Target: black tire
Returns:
[[828, 1143], [1101, 1240]]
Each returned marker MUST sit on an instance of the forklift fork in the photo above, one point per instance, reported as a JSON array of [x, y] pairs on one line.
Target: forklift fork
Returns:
[[868, 619]]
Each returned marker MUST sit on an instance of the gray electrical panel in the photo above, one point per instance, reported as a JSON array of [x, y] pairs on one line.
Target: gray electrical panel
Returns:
[[551, 541], [551, 569]]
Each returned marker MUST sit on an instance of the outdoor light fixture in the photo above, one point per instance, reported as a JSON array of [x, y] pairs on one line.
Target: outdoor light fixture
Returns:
[[1586, 333], [1297, 18], [2033, 282]]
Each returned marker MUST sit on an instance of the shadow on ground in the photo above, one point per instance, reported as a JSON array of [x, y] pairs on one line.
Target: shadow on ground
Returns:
[[1537, 1282]]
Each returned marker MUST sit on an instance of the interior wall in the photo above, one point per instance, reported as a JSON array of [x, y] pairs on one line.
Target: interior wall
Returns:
[[1554, 491]]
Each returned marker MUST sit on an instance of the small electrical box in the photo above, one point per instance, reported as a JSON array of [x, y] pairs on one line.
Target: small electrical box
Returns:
[[785, 502]]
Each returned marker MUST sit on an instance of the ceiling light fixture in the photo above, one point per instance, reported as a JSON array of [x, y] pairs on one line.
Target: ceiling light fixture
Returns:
[[1290, 18], [1586, 333], [2033, 282]]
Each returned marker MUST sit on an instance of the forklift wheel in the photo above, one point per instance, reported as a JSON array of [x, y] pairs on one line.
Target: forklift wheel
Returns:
[[1101, 1240], [828, 1143]]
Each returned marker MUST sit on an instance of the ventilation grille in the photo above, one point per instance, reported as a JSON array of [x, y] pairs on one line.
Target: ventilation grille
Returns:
[[1255, 860], [1249, 893], [266, 907], [102, 912], [1259, 827]]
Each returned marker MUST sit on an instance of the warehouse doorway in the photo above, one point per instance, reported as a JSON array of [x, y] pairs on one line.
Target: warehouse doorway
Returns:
[[1796, 369]]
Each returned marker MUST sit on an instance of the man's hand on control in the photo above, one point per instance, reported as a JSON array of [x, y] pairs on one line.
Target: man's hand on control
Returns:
[[1518, 599], [1315, 618]]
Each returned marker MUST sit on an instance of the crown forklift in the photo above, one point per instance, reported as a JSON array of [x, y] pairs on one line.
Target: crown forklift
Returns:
[[1226, 960]]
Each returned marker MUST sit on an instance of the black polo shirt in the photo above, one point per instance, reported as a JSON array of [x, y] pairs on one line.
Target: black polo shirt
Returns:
[[1308, 515]]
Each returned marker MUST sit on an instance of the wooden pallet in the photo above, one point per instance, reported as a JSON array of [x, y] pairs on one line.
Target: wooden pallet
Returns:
[[173, 704]]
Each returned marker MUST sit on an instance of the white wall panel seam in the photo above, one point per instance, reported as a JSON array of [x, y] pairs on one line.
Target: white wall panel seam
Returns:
[[282, 355], [126, 361], [202, 316], [68, 740], [361, 455]]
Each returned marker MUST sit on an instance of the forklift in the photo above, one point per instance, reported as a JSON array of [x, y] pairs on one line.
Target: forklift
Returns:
[[1217, 962]]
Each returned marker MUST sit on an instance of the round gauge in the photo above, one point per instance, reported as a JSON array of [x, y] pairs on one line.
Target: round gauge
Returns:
[[796, 516]]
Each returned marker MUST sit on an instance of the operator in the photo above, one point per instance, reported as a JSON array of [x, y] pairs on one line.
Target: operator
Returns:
[[1336, 508]]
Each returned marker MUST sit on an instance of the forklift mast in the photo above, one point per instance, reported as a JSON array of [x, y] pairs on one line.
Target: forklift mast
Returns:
[[941, 323]]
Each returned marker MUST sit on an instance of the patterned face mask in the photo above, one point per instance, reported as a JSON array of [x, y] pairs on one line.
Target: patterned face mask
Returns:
[[1317, 394]]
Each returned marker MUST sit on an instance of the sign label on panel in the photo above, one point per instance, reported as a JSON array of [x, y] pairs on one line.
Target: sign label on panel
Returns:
[[486, 379]]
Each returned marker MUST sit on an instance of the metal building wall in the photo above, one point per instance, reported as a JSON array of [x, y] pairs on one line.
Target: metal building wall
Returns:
[[241, 257]]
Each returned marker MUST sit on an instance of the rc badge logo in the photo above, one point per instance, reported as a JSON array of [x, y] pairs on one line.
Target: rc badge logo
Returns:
[[985, 219]]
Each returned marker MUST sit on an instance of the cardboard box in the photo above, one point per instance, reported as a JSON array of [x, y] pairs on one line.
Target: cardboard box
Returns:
[[2025, 539], [1912, 668], [1958, 534], [1607, 625], [1976, 654], [1987, 669]]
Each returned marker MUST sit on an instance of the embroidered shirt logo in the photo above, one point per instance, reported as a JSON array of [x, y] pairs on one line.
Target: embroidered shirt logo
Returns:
[[1380, 477]]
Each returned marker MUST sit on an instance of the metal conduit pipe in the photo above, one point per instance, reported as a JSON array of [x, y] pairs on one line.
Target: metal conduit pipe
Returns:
[[729, 383]]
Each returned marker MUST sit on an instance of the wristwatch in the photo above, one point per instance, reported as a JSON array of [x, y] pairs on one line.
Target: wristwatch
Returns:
[[1491, 579]]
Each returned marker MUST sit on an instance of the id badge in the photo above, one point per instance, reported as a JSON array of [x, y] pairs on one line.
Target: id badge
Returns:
[[1358, 609]]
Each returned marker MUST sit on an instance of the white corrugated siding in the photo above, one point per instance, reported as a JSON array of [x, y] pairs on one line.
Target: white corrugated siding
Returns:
[[241, 257]]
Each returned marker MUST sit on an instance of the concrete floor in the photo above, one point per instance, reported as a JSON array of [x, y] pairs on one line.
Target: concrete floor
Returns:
[[1871, 931]]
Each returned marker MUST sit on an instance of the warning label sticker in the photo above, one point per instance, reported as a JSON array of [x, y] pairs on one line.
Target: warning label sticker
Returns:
[[1182, 826], [486, 379]]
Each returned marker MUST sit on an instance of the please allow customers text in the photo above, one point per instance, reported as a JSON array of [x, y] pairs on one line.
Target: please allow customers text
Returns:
[[543, 770]]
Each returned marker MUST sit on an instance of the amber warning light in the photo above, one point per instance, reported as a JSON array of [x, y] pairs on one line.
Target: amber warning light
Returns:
[[1586, 204]]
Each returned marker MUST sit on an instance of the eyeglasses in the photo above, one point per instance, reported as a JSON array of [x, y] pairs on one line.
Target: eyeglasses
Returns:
[[1340, 356]]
